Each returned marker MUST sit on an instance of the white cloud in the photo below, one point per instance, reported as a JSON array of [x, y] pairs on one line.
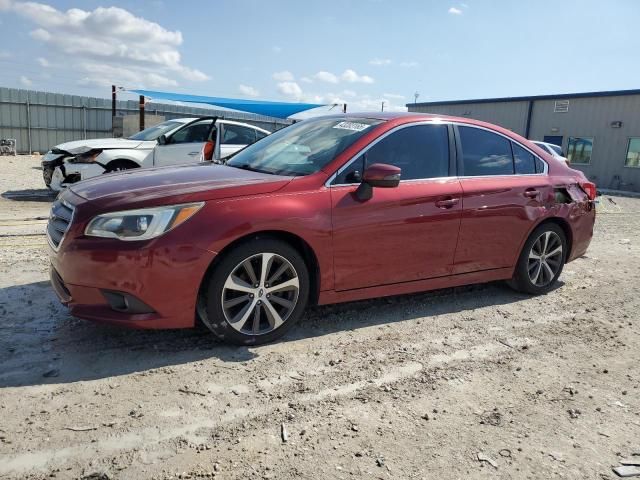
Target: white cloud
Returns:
[[291, 90], [306, 80], [126, 46], [248, 91], [380, 62], [27, 82], [5, 4], [352, 77], [4, 54], [394, 96], [327, 77], [455, 11], [349, 93], [276, 49], [284, 76], [409, 64], [43, 62]]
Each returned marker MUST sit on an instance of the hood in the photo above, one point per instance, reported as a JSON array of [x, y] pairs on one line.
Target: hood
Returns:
[[81, 146], [177, 184]]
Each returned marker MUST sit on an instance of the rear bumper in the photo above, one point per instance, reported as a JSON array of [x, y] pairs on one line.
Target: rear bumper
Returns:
[[164, 278]]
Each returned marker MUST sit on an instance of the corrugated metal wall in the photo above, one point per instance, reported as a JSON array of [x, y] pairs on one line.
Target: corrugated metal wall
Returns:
[[512, 115], [40, 120], [586, 117]]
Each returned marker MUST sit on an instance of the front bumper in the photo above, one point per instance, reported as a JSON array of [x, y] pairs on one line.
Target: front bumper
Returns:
[[163, 275]]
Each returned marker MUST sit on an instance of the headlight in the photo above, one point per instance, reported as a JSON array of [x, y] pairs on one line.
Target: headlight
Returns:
[[141, 224]]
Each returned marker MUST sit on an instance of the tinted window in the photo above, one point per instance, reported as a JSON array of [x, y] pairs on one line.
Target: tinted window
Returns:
[[260, 134], [194, 133], [238, 135], [524, 160], [485, 153], [539, 166], [421, 151]]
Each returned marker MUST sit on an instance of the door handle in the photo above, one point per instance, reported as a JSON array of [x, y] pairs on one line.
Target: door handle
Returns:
[[531, 193], [447, 202], [193, 154]]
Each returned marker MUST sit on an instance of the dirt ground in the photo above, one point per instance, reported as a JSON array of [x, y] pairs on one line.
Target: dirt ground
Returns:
[[467, 383]]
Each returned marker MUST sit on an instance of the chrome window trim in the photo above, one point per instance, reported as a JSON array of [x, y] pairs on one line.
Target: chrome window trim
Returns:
[[545, 171], [49, 240]]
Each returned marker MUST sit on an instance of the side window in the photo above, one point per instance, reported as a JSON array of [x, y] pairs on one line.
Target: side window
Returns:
[[195, 133], [238, 135], [485, 153], [524, 160], [260, 135], [539, 166], [421, 151]]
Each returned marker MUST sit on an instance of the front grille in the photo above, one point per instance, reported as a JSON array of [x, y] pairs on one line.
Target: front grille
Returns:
[[59, 222]]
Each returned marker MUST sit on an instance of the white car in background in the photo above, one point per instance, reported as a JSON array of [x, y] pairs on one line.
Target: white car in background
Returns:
[[552, 149], [182, 140]]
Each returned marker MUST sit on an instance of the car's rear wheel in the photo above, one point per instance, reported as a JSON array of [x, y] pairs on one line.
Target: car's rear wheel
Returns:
[[256, 293], [541, 261]]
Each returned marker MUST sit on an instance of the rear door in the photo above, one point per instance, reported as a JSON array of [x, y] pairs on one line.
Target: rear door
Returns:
[[505, 190], [405, 233], [185, 145], [235, 137]]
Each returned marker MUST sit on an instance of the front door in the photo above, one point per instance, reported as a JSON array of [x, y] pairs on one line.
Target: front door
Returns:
[[401, 234], [185, 145], [505, 191]]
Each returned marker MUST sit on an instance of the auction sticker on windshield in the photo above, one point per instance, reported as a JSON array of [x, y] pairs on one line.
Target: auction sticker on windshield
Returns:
[[356, 127]]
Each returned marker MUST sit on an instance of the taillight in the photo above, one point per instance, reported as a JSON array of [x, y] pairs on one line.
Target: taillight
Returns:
[[590, 189]]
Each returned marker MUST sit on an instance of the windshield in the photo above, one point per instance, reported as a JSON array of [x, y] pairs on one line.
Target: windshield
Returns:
[[152, 133], [302, 148]]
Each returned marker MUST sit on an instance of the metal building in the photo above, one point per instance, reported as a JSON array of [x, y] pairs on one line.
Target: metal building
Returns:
[[40, 120], [598, 131]]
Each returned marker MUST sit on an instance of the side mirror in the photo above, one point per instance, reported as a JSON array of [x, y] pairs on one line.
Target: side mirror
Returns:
[[162, 139], [379, 175]]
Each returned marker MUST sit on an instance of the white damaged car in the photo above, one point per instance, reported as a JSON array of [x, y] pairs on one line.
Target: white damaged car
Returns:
[[182, 140]]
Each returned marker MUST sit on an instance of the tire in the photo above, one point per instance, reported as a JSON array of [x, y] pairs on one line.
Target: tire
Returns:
[[120, 165], [231, 314], [539, 275]]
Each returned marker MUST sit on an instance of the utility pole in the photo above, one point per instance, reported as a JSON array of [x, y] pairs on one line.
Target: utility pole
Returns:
[[415, 97], [344, 108], [382, 106], [113, 107], [141, 112]]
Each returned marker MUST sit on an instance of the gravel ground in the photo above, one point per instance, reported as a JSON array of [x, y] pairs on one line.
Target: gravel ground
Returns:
[[475, 382]]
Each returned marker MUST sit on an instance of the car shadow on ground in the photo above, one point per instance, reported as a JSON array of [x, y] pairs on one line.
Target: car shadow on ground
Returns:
[[30, 195], [40, 343]]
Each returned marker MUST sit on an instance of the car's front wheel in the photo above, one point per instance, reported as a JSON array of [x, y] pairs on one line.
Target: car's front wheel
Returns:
[[256, 292], [541, 261]]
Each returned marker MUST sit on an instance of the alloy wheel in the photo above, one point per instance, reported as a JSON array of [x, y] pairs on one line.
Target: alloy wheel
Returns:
[[260, 294], [545, 259]]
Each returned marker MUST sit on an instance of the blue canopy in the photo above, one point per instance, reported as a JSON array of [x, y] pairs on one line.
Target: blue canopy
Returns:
[[261, 107]]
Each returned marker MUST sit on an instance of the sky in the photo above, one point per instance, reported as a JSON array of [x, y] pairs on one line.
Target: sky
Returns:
[[359, 52]]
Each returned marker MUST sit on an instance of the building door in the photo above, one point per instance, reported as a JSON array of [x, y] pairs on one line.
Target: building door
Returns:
[[555, 139]]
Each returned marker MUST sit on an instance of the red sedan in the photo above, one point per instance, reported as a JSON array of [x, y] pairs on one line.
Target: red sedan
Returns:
[[328, 210]]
